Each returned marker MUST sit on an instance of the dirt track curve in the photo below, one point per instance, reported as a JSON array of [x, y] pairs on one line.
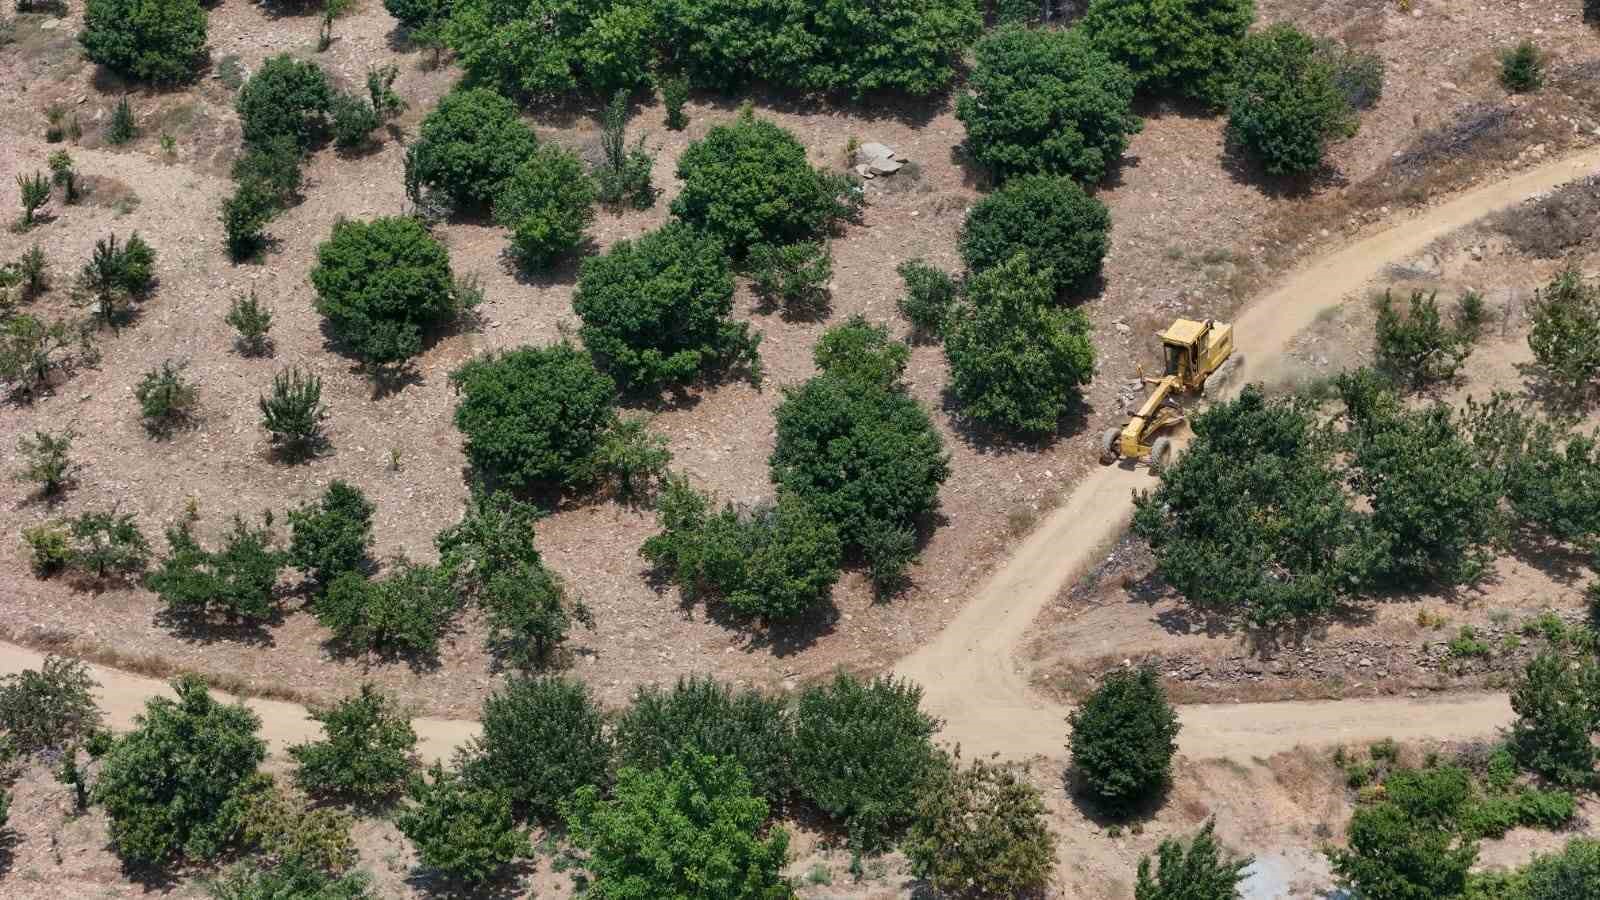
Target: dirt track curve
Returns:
[[970, 673]]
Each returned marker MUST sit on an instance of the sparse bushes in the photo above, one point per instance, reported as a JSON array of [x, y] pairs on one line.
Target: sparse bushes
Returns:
[[48, 708], [353, 121], [1419, 348], [34, 192], [1123, 738], [1061, 228], [1565, 337], [1285, 105], [383, 285], [31, 349], [692, 828], [529, 614], [792, 276], [172, 786], [166, 399], [1188, 47], [930, 295], [366, 751], [98, 544], [1016, 361], [464, 831], [293, 413], [403, 612], [861, 751], [1522, 68], [236, 581], [468, 146], [270, 166], [546, 202], [859, 351], [534, 416], [542, 740], [116, 274], [624, 174], [45, 460], [285, 97], [331, 536], [122, 127], [655, 310], [63, 176], [776, 562], [981, 831], [1557, 701], [1046, 100], [1202, 870], [749, 182], [160, 41], [253, 322]]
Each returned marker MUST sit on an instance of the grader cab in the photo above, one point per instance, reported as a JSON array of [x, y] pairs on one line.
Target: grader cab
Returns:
[[1192, 351]]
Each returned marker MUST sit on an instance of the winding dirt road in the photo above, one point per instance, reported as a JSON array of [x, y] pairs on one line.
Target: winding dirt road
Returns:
[[971, 674]]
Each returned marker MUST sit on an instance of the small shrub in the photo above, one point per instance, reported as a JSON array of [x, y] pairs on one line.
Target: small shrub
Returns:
[[285, 97], [354, 120], [1286, 106], [280, 827], [166, 399], [404, 612], [630, 456], [1357, 75], [930, 294], [107, 544], [547, 202], [48, 708], [494, 536], [293, 414], [464, 831], [31, 349], [63, 175], [122, 128], [50, 546], [1419, 348], [700, 715], [271, 167], [1465, 645], [624, 175], [1202, 870], [237, 581], [162, 41], [172, 786], [1386, 751], [34, 271], [793, 276], [113, 275], [385, 103], [253, 322], [1565, 337], [863, 352], [1123, 738], [981, 831], [674, 93], [255, 879], [331, 536], [383, 285], [543, 739], [1522, 68], [366, 752], [45, 460], [34, 192], [245, 214], [468, 146]]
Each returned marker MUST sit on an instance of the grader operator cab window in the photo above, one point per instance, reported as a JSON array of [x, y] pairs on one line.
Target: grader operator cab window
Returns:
[[1174, 358]]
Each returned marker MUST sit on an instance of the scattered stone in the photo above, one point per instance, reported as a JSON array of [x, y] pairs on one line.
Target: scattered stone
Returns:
[[877, 159]]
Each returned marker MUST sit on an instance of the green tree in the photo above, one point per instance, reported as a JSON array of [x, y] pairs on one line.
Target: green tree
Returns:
[[160, 41], [543, 739], [529, 614], [1285, 106], [692, 829], [366, 752], [1574, 872], [1565, 337], [1186, 47], [534, 416], [981, 831], [166, 399], [353, 120], [867, 460], [495, 536], [1418, 347], [46, 460], [1123, 737], [792, 276], [402, 612], [702, 716], [460, 829], [285, 97], [468, 146], [1252, 519], [655, 310], [547, 202], [107, 544], [1394, 855], [48, 708], [750, 182], [1202, 870], [293, 414], [236, 581], [1061, 228], [1522, 68], [172, 786], [861, 752], [1046, 100], [1557, 702], [382, 286], [332, 535], [860, 351], [1017, 362], [540, 49], [930, 295], [414, 14]]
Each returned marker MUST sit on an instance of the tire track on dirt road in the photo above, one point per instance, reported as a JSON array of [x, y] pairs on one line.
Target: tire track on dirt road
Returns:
[[970, 675]]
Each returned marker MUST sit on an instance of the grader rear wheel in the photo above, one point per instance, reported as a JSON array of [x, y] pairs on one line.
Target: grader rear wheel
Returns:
[[1108, 446], [1160, 455]]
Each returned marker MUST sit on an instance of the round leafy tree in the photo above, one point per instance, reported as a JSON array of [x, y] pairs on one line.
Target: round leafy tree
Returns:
[[981, 832], [543, 739], [867, 459], [534, 415], [1062, 229], [547, 203], [468, 146], [692, 829], [172, 785], [1187, 47], [861, 751], [1285, 105], [366, 753], [1044, 100], [701, 715], [415, 14], [655, 310], [286, 96], [749, 182], [1123, 737], [911, 46], [540, 48], [331, 536], [858, 350], [461, 829], [161, 41], [382, 285], [1017, 361]]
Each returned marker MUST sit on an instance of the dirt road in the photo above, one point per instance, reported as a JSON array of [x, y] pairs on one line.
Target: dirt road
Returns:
[[970, 674]]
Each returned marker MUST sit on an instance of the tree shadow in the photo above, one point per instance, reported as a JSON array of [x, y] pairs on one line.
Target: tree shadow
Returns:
[[815, 308], [1249, 172], [1554, 398], [1560, 561], [281, 9], [974, 175], [562, 273], [779, 638], [198, 628], [507, 884], [990, 440], [1077, 791]]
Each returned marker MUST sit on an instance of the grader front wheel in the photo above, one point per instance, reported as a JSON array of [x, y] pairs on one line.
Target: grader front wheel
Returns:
[[1160, 455], [1108, 446]]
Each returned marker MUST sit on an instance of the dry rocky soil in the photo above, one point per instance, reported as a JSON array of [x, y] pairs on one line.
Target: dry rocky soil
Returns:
[[1195, 233]]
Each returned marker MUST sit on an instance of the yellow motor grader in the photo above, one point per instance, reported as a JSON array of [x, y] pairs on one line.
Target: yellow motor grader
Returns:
[[1193, 351]]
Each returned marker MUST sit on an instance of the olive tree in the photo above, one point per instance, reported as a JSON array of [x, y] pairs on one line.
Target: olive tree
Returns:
[[1285, 106], [1123, 737], [546, 202], [543, 739], [49, 707], [468, 146], [981, 831], [159, 41], [1062, 229]]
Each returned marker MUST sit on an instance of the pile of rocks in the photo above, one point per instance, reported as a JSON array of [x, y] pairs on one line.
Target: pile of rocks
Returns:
[[874, 159]]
